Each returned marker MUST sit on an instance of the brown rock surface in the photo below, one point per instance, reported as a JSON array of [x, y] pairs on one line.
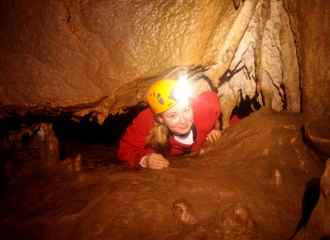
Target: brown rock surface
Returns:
[[99, 57], [318, 131], [248, 185], [310, 23], [318, 226], [78, 57], [264, 68]]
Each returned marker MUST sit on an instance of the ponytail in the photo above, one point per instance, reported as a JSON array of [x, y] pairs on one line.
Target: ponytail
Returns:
[[159, 137]]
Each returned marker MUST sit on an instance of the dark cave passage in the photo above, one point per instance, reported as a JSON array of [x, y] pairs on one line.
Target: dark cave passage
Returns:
[[88, 137], [88, 131], [98, 144]]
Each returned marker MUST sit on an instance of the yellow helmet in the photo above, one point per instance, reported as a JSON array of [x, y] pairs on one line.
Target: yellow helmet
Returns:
[[159, 95]]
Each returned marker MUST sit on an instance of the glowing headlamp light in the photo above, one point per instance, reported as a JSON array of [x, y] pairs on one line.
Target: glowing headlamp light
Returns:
[[181, 90]]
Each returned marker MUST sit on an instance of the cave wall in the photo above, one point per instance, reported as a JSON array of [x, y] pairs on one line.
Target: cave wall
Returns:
[[99, 57], [310, 22], [89, 56], [265, 66]]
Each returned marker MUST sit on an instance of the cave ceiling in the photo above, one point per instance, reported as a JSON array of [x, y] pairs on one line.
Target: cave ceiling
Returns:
[[98, 58]]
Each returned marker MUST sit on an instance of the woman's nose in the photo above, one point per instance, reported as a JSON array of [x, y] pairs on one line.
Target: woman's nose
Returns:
[[182, 119]]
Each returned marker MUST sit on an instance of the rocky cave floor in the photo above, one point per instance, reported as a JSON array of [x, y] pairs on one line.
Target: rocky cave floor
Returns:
[[253, 183]]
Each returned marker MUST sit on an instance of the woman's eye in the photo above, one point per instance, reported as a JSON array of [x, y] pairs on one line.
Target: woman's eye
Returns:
[[172, 116], [187, 110]]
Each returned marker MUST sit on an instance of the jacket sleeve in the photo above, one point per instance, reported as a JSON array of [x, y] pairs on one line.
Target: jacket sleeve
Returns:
[[133, 146], [209, 106]]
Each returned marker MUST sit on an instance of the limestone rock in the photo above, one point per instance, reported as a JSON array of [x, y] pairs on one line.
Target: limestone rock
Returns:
[[69, 57], [87, 59], [183, 212], [226, 51], [318, 226], [50, 151], [318, 132], [265, 64], [30, 149], [237, 223], [72, 165], [310, 23], [99, 57]]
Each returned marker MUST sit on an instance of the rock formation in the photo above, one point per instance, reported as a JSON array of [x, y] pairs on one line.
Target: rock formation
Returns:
[[247, 185], [318, 226], [31, 149], [99, 58], [93, 59], [310, 23], [265, 65], [183, 212], [89, 57]]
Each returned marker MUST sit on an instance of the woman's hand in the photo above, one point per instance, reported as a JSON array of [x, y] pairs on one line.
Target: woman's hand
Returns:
[[214, 135], [155, 161]]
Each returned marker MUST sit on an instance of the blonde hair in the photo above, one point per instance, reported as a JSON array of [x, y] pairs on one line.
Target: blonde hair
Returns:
[[159, 137]]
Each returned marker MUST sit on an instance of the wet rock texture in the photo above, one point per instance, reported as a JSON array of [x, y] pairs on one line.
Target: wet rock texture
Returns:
[[310, 22], [318, 225], [248, 185], [99, 57], [95, 56], [265, 67], [32, 149]]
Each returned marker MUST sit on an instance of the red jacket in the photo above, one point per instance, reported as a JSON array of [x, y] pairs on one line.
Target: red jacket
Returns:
[[132, 147]]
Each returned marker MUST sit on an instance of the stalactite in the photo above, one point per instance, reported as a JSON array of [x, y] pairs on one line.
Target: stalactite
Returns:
[[229, 47], [265, 64]]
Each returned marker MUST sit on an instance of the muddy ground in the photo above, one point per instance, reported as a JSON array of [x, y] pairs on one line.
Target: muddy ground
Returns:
[[257, 182]]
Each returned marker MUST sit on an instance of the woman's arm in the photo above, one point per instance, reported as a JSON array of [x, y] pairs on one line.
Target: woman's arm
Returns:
[[211, 113], [133, 146]]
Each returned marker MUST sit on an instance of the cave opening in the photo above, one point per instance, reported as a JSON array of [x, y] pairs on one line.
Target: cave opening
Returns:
[[21, 148], [97, 143]]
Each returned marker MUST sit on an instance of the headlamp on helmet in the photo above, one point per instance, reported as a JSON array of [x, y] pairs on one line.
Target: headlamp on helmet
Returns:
[[164, 94], [181, 90]]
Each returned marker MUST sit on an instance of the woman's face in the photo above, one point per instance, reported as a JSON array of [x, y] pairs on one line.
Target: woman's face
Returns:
[[179, 119]]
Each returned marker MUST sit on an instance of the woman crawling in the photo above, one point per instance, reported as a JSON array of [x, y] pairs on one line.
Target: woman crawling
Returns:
[[174, 124]]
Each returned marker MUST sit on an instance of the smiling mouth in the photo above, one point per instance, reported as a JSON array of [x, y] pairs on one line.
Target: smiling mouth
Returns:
[[184, 127]]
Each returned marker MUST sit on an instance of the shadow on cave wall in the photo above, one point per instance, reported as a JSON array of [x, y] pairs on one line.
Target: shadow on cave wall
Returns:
[[311, 196], [245, 107]]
